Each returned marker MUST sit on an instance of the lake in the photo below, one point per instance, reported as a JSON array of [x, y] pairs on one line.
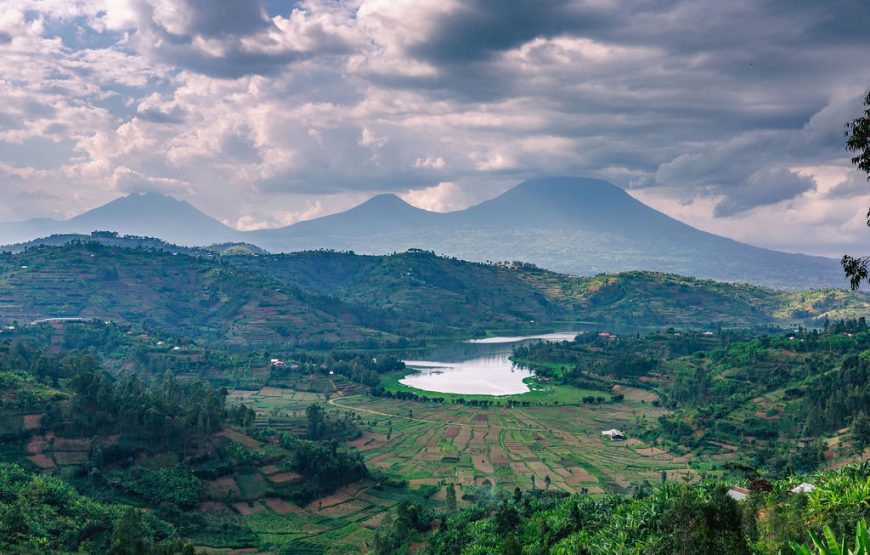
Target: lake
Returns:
[[476, 366]]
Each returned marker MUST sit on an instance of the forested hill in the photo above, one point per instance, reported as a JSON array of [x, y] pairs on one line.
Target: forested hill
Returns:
[[321, 297], [200, 297], [427, 287]]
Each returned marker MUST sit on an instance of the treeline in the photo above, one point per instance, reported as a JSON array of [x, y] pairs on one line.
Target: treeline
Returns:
[[359, 368]]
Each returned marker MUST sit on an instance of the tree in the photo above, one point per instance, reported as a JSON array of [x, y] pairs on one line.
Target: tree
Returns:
[[128, 536], [860, 432], [315, 421], [511, 545], [858, 143], [451, 498]]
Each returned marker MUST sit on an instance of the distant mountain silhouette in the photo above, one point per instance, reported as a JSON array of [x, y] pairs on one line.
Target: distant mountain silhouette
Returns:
[[568, 203], [148, 214], [379, 214], [569, 224]]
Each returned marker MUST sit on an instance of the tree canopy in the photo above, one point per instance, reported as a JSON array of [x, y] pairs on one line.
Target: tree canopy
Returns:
[[858, 143]]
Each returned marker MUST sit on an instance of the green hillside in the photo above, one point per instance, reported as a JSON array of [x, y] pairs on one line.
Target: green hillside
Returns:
[[320, 298], [424, 287], [195, 296]]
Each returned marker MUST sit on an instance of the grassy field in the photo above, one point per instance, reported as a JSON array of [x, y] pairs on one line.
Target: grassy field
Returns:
[[436, 444]]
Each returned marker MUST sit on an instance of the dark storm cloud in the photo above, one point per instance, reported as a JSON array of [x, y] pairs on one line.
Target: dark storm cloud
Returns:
[[735, 101], [768, 186], [233, 63], [217, 18], [157, 116], [227, 23], [483, 27], [856, 185], [722, 71]]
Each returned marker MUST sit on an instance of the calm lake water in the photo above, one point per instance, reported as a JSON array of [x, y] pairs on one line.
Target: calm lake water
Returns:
[[477, 366]]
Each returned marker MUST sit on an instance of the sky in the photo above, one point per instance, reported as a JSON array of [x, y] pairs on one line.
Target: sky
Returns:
[[726, 115]]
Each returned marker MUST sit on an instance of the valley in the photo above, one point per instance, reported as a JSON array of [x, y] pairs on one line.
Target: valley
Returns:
[[334, 277], [322, 440]]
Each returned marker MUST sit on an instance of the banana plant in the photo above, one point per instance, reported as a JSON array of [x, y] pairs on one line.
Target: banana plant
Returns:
[[832, 547]]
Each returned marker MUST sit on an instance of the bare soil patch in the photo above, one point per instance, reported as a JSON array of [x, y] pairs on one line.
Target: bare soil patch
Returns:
[[374, 522], [282, 507], [245, 510], [285, 477], [69, 444], [41, 461], [248, 442], [450, 432], [498, 456], [218, 489], [32, 421]]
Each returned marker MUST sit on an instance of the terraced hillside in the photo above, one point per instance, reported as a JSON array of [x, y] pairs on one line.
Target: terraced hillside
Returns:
[[194, 296]]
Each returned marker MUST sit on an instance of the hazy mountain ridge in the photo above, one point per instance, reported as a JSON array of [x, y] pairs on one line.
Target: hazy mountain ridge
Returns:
[[579, 226], [145, 215]]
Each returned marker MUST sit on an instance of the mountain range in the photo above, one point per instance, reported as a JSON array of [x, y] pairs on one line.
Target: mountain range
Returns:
[[574, 225]]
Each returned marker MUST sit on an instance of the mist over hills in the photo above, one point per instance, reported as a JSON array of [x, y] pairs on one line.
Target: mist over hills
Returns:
[[574, 225]]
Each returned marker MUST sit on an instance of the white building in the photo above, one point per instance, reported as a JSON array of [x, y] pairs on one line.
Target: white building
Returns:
[[613, 434], [738, 493], [803, 488]]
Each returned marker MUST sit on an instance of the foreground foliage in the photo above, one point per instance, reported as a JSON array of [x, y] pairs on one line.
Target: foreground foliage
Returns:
[[672, 519], [40, 514]]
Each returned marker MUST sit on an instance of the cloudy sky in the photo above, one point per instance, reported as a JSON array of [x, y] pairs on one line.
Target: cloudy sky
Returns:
[[727, 115]]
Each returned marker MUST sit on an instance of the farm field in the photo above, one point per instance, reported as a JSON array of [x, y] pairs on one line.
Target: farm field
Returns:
[[433, 444]]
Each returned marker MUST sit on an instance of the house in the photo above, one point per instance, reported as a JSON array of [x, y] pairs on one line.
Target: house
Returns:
[[737, 493], [277, 363], [614, 434], [803, 488]]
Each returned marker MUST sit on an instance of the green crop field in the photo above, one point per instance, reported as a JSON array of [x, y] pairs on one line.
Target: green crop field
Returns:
[[436, 444]]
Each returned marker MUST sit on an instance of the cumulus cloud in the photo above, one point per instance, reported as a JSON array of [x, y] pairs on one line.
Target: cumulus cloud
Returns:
[[246, 104], [130, 181], [430, 162], [444, 197]]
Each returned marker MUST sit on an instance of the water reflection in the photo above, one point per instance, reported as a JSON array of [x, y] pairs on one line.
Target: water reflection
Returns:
[[479, 366]]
